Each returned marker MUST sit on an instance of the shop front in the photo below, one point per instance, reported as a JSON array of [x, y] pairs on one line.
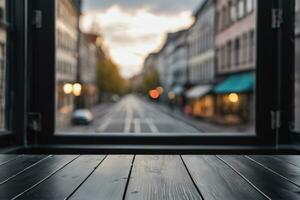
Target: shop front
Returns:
[[176, 96], [201, 101], [235, 99]]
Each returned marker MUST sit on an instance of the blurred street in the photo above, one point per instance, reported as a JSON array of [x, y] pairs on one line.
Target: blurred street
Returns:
[[135, 115]]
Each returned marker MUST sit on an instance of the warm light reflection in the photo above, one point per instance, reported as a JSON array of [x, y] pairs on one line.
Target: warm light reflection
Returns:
[[154, 94], [171, 95], [130, 35], [77, 88], [160, 90], [233, 97], [68, 88]]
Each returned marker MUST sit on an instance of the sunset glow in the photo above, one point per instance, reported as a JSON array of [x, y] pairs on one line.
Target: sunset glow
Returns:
[[130, 35]]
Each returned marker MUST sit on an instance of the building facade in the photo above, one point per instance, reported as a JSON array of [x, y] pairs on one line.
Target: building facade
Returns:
[[2, 64], [201, 40], [87, 72], [201, 60], [150, 64], [67, 16], [235, 60], [167, 60], [179, 60], [172, 62]]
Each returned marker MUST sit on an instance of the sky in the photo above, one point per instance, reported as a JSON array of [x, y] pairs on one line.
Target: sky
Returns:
[[134, 28]]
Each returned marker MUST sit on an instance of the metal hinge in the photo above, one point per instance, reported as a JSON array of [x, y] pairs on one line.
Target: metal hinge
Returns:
[[277, 18], [275, 120], [37, 20], [35, 122]]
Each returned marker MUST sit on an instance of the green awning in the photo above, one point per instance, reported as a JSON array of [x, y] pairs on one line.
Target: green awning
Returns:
[[238, 83]]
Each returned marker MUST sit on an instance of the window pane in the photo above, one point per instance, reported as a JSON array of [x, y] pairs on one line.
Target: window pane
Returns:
[[241, 9], [146, 67], [233, 12], [249, 5], [2, 65]]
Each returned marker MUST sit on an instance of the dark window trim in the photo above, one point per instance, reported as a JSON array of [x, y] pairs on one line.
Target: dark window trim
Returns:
[[16, 74], [43, 95], [4, 24]]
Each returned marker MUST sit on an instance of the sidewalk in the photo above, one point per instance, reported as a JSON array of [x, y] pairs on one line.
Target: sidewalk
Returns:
[[205, 126]]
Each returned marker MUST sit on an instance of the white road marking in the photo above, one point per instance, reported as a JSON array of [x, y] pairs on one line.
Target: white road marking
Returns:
[[128, 119], [104, 125], [137, 125], [152, 126], [107, 119]]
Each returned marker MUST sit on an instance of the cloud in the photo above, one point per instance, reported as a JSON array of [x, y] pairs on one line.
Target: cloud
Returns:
[[153, 5], [131, 35]]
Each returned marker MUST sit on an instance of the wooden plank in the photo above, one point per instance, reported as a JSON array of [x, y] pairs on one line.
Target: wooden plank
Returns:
[[108, 181], [160, 177], [19, 165], [216, 180], [270, 184], [64, 182], [277, 166], [6, 158], [295, 160], [33, 176]]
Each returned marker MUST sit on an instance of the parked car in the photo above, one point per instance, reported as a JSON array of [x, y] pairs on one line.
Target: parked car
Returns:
[[82, 117]]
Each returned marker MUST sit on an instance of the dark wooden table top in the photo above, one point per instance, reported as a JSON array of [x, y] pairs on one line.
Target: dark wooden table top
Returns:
[[149, 177]]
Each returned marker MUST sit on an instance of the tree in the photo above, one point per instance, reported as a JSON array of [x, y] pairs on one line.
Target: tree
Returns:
[[109, 80], [151, 81]]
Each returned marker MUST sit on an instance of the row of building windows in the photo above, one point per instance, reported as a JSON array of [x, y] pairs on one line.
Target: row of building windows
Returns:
[[65, 69], [65, 41], [202, 41], [236, 52], [233, 11], [202, 72]]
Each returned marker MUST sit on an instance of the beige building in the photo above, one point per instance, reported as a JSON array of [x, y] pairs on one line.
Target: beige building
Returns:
[[66, 56], [235, 60], [235, 38], [2, 64], [87, 71]]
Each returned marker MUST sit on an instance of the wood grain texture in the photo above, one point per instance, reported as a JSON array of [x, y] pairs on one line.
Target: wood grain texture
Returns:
[[32, 176], [18, 165], [295, 160], [65, 181], [216, 180], [284, 169], [160, 177], [7, 158], [108, 181], [270, 184]]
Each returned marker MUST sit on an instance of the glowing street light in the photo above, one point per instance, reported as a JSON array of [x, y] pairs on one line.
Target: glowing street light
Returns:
[[154, 94], [77, 88], [160, 90], [233, 97], [68, 88], [171, 95]]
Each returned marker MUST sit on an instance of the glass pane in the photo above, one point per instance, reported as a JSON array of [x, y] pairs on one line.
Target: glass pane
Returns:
[[155, 67], [2, 64]]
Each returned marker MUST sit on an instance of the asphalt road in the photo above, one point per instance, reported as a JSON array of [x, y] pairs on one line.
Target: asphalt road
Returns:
[[132, 115]]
